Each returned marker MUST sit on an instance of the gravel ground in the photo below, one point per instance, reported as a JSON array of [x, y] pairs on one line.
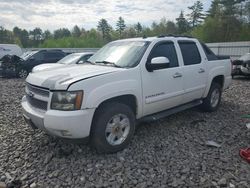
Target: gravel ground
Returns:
[[168, 153]]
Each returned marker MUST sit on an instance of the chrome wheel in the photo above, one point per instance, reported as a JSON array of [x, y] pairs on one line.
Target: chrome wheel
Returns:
[[117, 129], [22, 73], [215, 98]]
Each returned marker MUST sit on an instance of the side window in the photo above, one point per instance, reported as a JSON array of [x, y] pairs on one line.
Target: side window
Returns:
[[49, 55], [58, 55], [38, 56], [166, 50], [209, 53], [190, 53], [53, 55]]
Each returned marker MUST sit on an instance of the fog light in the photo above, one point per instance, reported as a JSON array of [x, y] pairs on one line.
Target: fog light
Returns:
[[65, 133]]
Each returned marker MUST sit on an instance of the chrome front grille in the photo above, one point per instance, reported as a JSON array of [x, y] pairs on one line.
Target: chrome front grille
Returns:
[[37, 103], [37, 97], [37, 90]]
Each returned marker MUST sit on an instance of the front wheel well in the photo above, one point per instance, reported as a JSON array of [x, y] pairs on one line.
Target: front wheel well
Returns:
[[129, 100]]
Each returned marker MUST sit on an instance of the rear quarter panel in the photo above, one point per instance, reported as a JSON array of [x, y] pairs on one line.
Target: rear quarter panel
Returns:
[[217, 68]]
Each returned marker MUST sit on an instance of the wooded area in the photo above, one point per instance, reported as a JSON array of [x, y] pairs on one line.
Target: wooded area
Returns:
[[225, 21]]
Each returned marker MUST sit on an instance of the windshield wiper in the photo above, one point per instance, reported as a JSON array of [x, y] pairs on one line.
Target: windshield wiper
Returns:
[[90, 62], [108, 63]]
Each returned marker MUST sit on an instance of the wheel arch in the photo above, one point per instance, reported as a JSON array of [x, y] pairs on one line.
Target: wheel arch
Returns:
[[127, 99], [219, 79]]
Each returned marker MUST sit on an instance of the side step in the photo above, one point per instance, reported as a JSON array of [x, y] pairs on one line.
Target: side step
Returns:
[[171, 111]]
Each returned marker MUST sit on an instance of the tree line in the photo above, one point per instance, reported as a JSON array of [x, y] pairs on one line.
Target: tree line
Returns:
[[226, 20]]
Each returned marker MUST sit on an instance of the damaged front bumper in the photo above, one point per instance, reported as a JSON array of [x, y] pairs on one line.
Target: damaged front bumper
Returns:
[[65, 124], [11, 72]]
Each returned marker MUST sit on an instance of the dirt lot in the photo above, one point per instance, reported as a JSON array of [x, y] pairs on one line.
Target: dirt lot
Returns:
[[168, 153]]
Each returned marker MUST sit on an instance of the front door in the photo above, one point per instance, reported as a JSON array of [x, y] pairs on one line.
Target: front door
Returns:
[[162, 89]]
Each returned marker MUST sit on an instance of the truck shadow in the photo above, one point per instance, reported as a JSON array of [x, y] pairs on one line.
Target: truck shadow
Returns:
[[189, 121]]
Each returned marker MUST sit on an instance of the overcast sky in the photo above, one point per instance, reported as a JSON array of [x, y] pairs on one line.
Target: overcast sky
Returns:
[[54, 14]]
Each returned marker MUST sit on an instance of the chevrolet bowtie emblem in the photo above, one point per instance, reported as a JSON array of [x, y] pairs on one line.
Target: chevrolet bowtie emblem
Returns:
[[31, 94]]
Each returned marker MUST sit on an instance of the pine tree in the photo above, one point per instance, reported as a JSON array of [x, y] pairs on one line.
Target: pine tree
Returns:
[[120, 26], [215, 9], [230, 6], [47, 35], [104, 28], [76, 31], [182, 23], [196, 16], [138, 28], [171, 28]]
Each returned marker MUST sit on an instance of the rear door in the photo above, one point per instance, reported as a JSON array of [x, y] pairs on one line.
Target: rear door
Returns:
[[162, 89], [194, 70]]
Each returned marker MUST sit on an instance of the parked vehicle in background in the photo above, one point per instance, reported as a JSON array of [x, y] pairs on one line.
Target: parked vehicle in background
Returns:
[[10, 49], [139, 79], [241, 66], [21, 66], [75, 58]]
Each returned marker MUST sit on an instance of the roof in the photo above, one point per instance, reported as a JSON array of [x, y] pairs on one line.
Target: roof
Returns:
[[150, 39], [83, 53]]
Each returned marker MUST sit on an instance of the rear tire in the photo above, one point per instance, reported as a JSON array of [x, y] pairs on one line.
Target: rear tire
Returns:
[[212, 101], [113, 127]]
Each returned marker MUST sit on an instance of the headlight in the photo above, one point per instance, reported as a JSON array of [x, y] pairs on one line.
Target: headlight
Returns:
[[67, 100]]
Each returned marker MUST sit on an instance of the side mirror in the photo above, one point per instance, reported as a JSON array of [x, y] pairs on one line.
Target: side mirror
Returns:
[[157, 63]]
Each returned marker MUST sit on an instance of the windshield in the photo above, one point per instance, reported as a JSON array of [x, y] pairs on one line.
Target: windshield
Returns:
[[27, 55], [121, 54], [70, 59]]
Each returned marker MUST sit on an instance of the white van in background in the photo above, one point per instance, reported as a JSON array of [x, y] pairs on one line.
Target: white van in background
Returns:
[[10, 49]]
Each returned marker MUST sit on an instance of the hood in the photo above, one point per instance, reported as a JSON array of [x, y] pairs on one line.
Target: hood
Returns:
[[60, 79], [47, 66]]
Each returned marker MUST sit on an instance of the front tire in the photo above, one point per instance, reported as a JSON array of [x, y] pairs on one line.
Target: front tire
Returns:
[[212, 102], [22, 73], [113, 127]]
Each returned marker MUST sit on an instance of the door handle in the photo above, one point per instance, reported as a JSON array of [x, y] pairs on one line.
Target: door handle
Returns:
[[201, 70], [177, 75]]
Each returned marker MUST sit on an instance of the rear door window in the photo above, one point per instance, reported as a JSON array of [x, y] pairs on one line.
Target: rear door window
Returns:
[[165, 49], [190, 53]]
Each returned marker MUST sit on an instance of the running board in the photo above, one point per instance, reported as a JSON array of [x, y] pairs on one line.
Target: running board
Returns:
[[171, 111]]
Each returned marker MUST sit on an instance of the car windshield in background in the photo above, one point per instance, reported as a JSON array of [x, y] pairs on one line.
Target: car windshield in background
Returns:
[[27, 55], [70, 59], [120, 54]]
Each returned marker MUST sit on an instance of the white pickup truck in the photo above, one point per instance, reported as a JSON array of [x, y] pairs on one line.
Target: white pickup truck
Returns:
[[124, 82]]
